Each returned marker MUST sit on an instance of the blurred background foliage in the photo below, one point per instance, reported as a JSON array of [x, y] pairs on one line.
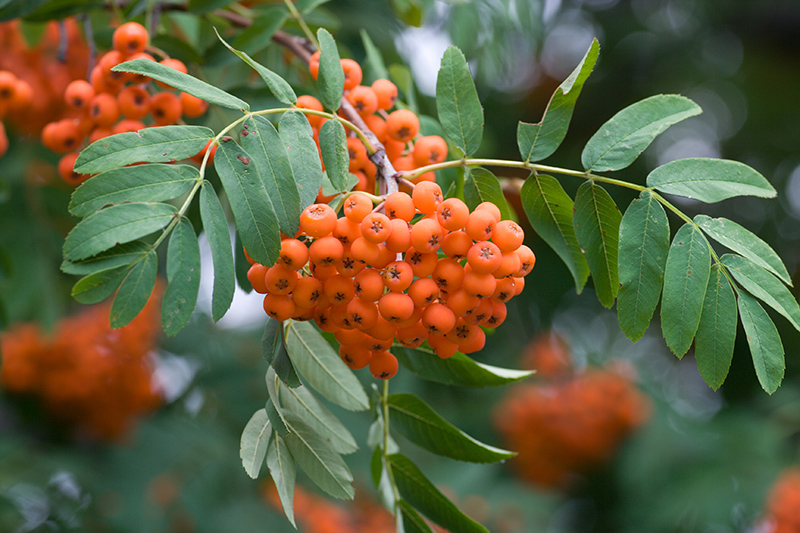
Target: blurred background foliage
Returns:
[[652, 447]]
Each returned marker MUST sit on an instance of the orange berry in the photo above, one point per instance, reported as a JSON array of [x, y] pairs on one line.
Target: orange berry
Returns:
[[124, 126], [317, 220], [505, 290], [280, 280], [404, 163], [362, 314], [452, 213], [427, 235], [339, 289], [322, 317], [326, 251], [438, 318], [255, 275], [165, 108], [104, 110], [427, 196], [386, 91], [248, 256], [412, 336], [415, 317], [23, 95], [138, 78], [456, 244], [382, 330], [99, 133], [279, 307], [78, 94], [192, 106], [357, 206], [462, 333], [480, 313], [395, 306], [377, 126], [527, 260], [352, 74], [134, 102], [442, 347], [363, 100], [477, 343], [497, 317], [402, 125], [176, 64], [294, 254], [369, 285], [399, 205], [65, 168], [307, 292], [365, 251], [357, 153], [67, 136], [399, 239], [346, 231], [493, 209], [509, 265], [394, 149], [99, 83], [448, 274], [198, 157], [383, 365], [421, 263], [484, 257], [108, 61], [477, 284], [322, 272], [508, 235], [349, 336], [376, 228], [480, 225], [397, 276], [423, 292], [519, 284], [355, 356], [313, 64], [385, 256], [461, 302], [348, 265], [306, 101], [8, 86], [130, 38], [429, 150]]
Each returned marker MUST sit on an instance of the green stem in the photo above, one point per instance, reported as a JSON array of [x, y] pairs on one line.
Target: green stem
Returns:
[[299, 18]]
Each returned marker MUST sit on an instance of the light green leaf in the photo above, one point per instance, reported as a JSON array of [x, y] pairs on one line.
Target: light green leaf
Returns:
[[412, 522], [424, 427], [134, 291], [183, 82], [270, 339], [686, 276], [596, 219], [283, 470], [333, 145], [374, 59], [97, 286], [740, 240], [298, 137], [163, 144], [538, 141], [765, 342], [643, 246], [140, 183], [318, 459], [549, 210], [254, 443], [322, 368], [183, 277], [219, 240], [283, 367], [402, 77], [459, 108], [252, 209], [122, 254], [117, 224], [619, 141], [709, 180], [457, 370], [301, 402], [716, 335], [480, 185], [275, 414], [415, 488], [764, 286], [330, 80]]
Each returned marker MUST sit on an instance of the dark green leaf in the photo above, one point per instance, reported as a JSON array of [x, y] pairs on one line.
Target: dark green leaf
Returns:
[[301, 402], [538, 141], [183, 82], [597, 219], [374, 59], [98, 286], [686, 276], [619, 141], [415, 488], [219, 240], [716, 335], [282, 91], [765, 342], [140, 183], [183, 276], [254, 443], [283, 470], [275, 416], [423, 426], [256, 37], [457, 370], [163, 144], [270, 339], [764, 286], [117, 224], [329, 190], [252, 209], [283, 366], [480, 185], [135, 290], [709, 180], [123, 254], [412, 521], [241, 265], [333, 144], [330, 80], [457, 102], [19, 8], [549, 210], [744, 242], [298, 137], [322, 367]]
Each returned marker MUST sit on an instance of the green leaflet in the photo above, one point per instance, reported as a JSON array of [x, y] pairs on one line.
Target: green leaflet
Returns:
[[765, 342], [457, 370], [284, 471], [255, 441], [134, 291], [298, 137], [333, 145], [709, 180], [480, 185], [716, 334], [122, 254], [97, 286], [183, 276], [219, 240], [330, 80], [459, 108], [412, 522]]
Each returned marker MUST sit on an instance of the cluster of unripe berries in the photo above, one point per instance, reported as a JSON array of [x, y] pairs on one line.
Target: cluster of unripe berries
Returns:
[[397, 130], [99, 105], [416, 268], [15, 95]]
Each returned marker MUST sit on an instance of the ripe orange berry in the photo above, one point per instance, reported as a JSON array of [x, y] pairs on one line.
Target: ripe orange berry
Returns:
[[461, 302], [376, 228], [67, 136], [397, 276], [363, 100], [423, 292], [23, 95], [99, 133], [357, 206], [456, 244], [527, 260], [427, 196], [386, 91], [99, 83], [165, 108], [124, 126], [383, 365], [508, 235], [484, 257], [317, 220], [176, 64], [382, 330], [313, 65], [78, 94], [104, 110], [480, 313], [395, 306], [306, 101], [279, 307], [438, 318], [509, 265], [294, 254], [326, 251], [339, 289], [402, 125], [352, 74], [505, 290], [377, 126], [412, 336], [394, 149], [399, 239], [365, 251], [108, 61], [385, 256], [355, 356], [362, 314], [493, 209], [192, 106], [307, 292], [138, 78], [348, 265], [480, 225], [322, 272], [130, 38], [280, 280], [399, 205], [357, 153], [452, 213], [429, 150], [421, 263], [497, 317], [65, 169], [369, 285], [134, 102], [8, 87], [448, 274], [442, 346], [519, 285], [427, 235], [477, 284], [346, 231], [477, 343], [255, 275], [462, 333]]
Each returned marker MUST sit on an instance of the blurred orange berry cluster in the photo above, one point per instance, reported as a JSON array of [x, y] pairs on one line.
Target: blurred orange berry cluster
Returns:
[[783, 504], [91, 378], [571, 421]]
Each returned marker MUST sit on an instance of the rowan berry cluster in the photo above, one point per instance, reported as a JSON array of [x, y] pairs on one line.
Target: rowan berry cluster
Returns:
[[423, 269], [571, 422], [783, 504], [98, 106], [15, 95]]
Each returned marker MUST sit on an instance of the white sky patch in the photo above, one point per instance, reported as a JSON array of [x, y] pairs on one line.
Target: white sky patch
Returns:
[[422, 49]]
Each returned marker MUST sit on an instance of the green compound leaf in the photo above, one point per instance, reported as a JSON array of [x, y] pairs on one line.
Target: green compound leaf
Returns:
[[549, 210], [114, 225], [412, 522], [322, 367], [298, 138], [480, 185], [282, 91], [255, 442], [765, 342], [318, 459], [283, 470], [270, 339], [260, 139], [283, 367], [744, 242], [459, 108], [538, 141], [252, 209], [330, 80], [300, 401], [122, 254], [99, 285], [183, 82], [596, 219], [643, 246], [333, 145], [140, 183], [709, 180], [424, 427], [163, 144], [219, 240], [619, 141], [457, 370], [764, 286], [183, 277], [716, 335], [686, 276], [418, 491], [134, 291]]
